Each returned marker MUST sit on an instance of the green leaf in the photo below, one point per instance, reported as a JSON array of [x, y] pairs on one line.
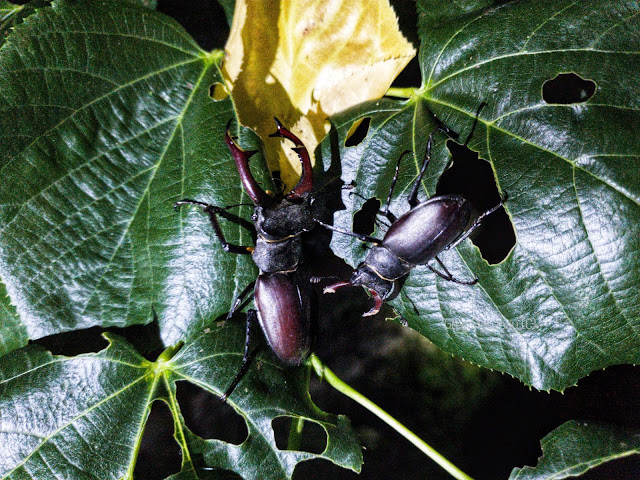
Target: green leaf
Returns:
[[145, 3], [575, 447], [83, 417], [9, 12], [432, 13], [12, 14], [108, 122], [75, 418], [564, 302], [13, 333], [229, 7], [266, 392]]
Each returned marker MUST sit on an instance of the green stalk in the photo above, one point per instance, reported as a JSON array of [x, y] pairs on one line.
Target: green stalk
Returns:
[[325, 373], [297, 423], [407, 92], [295, 433]]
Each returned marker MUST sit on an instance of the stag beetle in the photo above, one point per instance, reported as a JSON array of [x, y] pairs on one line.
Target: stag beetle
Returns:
[[282, 305], [415, 238]]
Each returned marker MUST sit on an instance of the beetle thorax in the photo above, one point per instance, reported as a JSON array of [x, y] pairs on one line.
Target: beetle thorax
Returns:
[[283, 219], [365, 276]]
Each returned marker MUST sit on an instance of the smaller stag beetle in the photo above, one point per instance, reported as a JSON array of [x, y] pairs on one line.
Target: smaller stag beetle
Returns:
[[282, 306], [415, 238]]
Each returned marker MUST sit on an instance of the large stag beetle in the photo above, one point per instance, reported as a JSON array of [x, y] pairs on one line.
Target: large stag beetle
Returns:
[[282, 304], [415, 238]]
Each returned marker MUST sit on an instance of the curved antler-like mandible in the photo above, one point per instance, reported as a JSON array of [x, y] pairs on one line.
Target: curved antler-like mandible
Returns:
[[305, 185], [257, 194], [376, 297]]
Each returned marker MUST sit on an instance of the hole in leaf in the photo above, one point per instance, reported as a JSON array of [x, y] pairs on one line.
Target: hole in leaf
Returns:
[[218, 91], [212, 473], [74, 343], [207, 416], [365, 218], [473, 178], [204, 20], [357, 132], [313, 438], [568, 88], [159, 455], [145, 339]]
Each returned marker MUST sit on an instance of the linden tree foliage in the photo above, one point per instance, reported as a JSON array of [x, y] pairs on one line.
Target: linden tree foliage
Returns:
[[107, 120]]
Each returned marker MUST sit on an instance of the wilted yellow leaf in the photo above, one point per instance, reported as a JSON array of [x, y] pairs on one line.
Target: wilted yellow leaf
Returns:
[[303, 60]]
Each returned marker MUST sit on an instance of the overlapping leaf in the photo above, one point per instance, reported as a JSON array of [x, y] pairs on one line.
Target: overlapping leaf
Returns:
[[96, 403], [211, 361], [83, 417], [565, 301], [575, 447], [303, 61], [107, 121]]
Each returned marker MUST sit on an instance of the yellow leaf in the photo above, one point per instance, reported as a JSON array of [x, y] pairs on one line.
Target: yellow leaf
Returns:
[[304, 60]]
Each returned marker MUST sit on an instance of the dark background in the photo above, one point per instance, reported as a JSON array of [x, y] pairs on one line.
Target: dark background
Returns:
[[484, 422]]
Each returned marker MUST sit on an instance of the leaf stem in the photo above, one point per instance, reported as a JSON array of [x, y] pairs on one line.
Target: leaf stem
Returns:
[[295, 433], [407, 92], [325, 373]]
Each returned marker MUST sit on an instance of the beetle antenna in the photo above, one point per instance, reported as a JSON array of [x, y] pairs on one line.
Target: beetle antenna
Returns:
[[359, 236], [318, 279]]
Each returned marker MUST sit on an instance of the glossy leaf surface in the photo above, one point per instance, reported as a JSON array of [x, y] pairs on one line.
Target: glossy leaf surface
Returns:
[[108, 122], [565, 301], [97, 403], [83, 417], [575, 447]]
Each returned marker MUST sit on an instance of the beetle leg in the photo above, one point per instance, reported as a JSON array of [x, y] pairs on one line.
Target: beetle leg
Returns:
[[247, 358], [238, 301], [213, 211], [255, 192], [475, 122], [413, 195], [442, 127], [415, 309], [305, 185], [478, 221], [385, 211], [448, 276]]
